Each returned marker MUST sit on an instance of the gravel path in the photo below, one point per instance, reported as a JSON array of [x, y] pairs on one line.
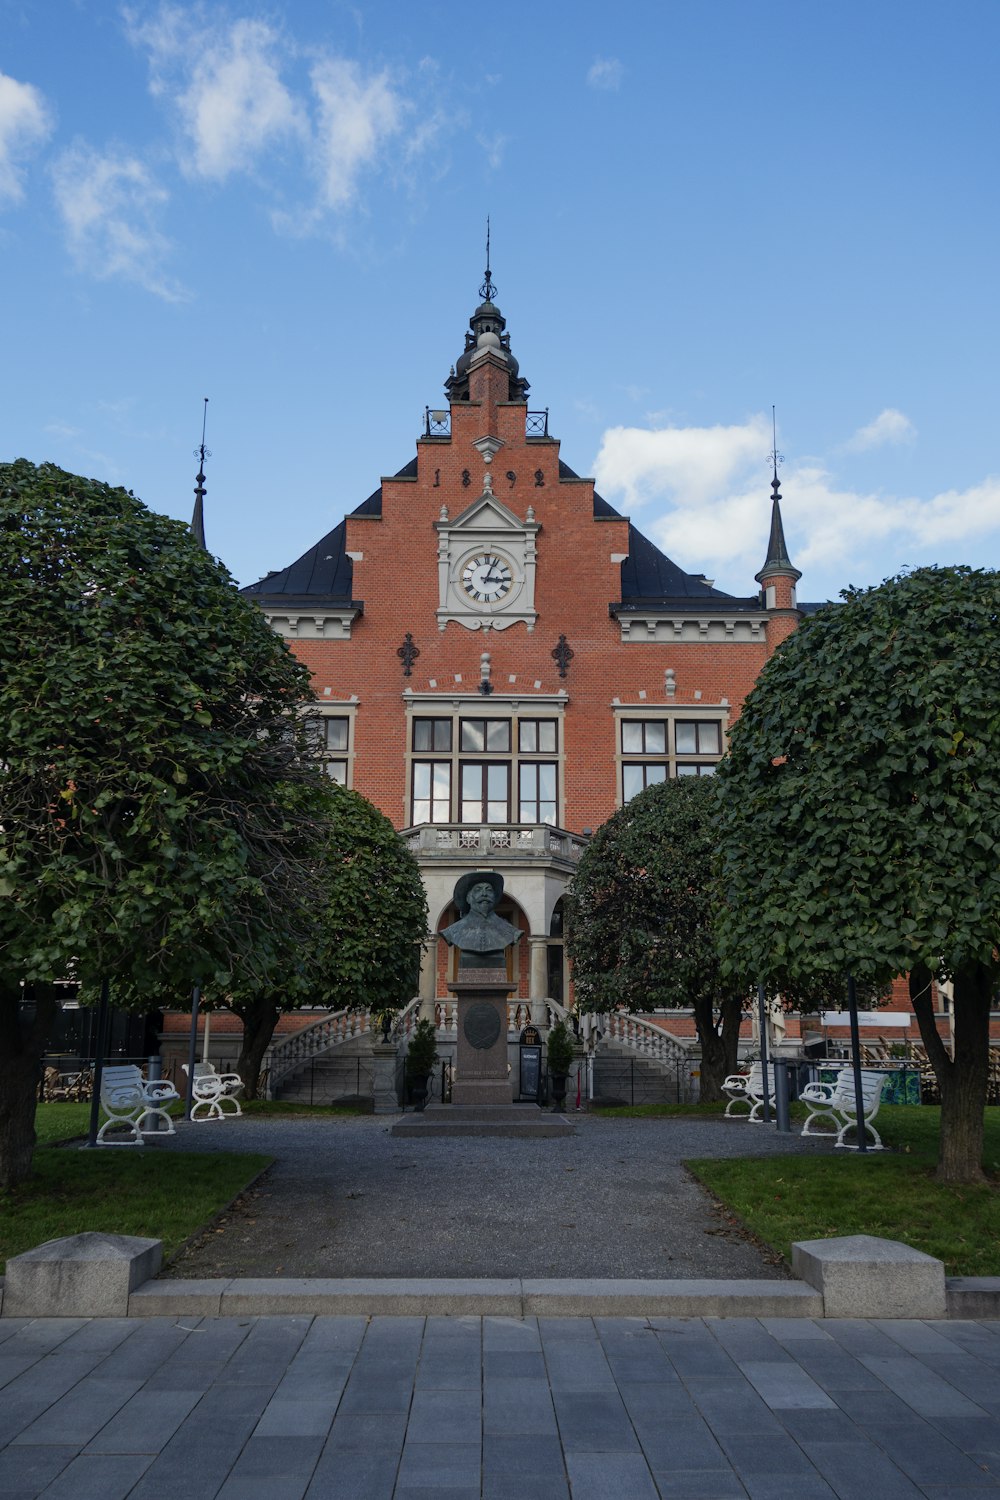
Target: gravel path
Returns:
[[345, 1198]]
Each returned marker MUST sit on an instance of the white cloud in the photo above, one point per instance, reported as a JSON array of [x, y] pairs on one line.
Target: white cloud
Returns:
[[231, 87], [685, 465], [110, 205], [236, 105], [25, 121], [705, 497], [223, 85], [605, 73], [355, 116], [890, 426], [494, 146]]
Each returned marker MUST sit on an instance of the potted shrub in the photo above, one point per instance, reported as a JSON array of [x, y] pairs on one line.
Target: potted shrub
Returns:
[[559, 1053], [421, 1055], [383, 1022]]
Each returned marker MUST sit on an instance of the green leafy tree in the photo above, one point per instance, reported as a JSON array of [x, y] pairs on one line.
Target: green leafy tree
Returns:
[[363, 949], [159, 811], [861, 816], [641, 919]]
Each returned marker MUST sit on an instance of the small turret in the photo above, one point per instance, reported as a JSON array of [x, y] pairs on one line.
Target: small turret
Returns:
[[201, 453], [778, 576]]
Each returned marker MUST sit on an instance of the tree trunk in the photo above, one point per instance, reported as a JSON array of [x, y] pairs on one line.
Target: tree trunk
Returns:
[[963, 1080], [22, 1047], [719, 1045], [259, 1020]]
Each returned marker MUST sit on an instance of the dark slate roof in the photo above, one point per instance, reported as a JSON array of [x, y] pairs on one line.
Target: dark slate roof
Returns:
[[777, 560], [324, 571], [648, 573]]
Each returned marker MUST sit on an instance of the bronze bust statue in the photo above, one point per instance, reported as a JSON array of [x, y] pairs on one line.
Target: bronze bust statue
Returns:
[[479, 934]]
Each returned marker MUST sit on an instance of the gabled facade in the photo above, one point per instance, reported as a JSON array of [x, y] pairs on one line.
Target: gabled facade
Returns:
[[502, 659]]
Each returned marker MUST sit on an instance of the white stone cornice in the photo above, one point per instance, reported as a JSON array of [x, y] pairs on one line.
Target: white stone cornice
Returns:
[[313, 624], [651, 625]]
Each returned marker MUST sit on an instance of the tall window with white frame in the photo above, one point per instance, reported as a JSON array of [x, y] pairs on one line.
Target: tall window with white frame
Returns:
[[485, 784], [336, 730], [643, 739], [697, 737], [432, 738]]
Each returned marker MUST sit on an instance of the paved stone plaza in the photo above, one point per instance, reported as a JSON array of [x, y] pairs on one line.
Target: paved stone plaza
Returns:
[[498, 1409]]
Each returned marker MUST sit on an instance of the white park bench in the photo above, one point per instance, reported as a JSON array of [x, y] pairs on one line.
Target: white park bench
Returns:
[[748, 1089], [131, 1101], [837, 1102], [213, 1092]]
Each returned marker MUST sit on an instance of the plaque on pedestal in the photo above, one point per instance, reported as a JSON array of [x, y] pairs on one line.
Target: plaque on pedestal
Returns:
[[481, 1072]]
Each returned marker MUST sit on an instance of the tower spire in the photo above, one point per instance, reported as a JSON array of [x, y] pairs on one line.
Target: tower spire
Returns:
[[488, 290], [777, 562], [201, 453]]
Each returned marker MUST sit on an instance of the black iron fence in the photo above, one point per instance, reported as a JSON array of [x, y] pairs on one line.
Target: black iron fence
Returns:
[[330, 1080], [629, 1080]]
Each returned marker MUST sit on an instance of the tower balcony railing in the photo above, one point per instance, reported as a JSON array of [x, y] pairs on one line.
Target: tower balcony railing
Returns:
[[503, 841], [437, 423]]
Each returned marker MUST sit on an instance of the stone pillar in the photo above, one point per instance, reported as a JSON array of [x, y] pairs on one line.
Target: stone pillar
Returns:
[[538, 979], [428, 978], [481, 1057], [384, 1055]]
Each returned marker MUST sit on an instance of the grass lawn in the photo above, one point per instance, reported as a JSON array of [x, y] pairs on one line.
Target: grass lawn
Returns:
[[656, 1111], [121, 1192], [888, 1193]]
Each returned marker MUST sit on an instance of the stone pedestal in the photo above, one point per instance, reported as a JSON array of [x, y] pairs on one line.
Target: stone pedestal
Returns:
[[481, 1057], [384, 1062]]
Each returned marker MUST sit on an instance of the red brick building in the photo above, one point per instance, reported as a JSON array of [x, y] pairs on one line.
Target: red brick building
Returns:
[[502, 658]]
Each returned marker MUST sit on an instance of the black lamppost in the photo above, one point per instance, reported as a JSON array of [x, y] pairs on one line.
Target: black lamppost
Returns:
[[762, 1028], [859, 1097], [100, 1050], [192, 1051]]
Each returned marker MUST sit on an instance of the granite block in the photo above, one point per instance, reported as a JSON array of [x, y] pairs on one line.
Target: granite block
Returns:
[[863, 1276]]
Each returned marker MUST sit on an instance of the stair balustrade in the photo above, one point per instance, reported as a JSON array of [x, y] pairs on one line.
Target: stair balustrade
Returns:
[[302, 1046]]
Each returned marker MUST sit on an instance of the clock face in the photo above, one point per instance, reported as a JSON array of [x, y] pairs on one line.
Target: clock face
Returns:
[[487, 578]]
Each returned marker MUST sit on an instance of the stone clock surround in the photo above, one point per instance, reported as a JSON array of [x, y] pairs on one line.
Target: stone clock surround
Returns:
[[486, 526]]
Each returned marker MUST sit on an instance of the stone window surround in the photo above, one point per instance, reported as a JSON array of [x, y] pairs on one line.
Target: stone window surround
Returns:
[[328, 708], [459, 706]]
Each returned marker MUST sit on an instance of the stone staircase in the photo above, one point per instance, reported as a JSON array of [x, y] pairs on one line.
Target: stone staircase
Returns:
[[624, 1076], [342, 1074]]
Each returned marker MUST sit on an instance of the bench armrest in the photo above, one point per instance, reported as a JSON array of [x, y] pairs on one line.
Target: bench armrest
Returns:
[[817, 1093], [161, 1089]]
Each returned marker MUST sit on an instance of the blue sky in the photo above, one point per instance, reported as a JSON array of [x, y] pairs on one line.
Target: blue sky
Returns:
[[699, 209]]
